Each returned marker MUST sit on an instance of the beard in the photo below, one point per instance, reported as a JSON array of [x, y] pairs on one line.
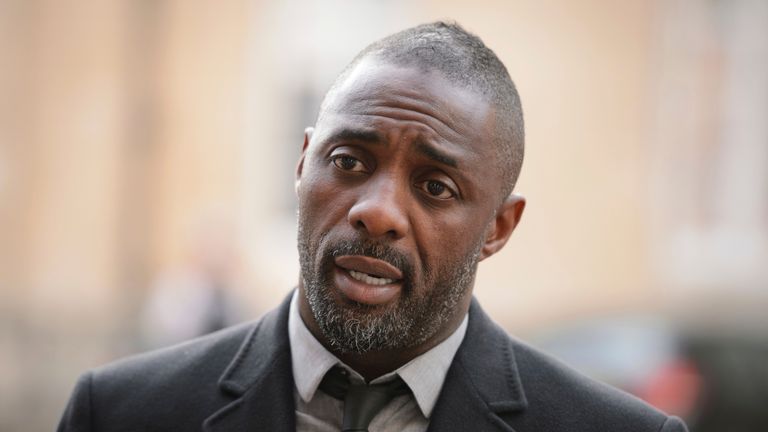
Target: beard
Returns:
[[418, 313]]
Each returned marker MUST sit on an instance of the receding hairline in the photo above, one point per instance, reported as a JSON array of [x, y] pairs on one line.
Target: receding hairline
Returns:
[[374, 61]]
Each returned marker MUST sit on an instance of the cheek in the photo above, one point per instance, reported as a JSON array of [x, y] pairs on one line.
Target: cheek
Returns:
[[446, 240], [321, 203], [459, 228]]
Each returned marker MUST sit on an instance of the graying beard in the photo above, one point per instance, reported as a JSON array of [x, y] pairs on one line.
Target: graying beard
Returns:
[[351, 334], [394, 330], [391, 331]]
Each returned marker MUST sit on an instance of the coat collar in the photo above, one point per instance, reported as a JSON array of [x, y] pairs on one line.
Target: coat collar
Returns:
[[482, 383], [260, 380]]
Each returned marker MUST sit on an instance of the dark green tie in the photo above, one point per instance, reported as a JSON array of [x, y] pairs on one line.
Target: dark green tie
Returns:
[[361, 402]]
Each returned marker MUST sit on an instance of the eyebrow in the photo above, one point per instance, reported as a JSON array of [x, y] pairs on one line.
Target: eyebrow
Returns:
[[373, 137], [362, 135], [435, 154]]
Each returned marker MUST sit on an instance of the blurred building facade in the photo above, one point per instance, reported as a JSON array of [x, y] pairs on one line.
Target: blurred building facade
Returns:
[[124, 124]]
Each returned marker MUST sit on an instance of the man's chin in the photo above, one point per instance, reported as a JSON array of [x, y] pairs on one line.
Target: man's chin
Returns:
[[351, 326]]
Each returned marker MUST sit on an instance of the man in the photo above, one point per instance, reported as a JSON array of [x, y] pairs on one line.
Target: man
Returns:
[[404, 185]]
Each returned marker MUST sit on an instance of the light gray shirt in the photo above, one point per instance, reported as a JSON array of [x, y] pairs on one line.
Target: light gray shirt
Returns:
[[319, 412]]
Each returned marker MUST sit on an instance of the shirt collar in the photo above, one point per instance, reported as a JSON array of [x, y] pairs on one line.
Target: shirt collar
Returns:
[[424, 374]]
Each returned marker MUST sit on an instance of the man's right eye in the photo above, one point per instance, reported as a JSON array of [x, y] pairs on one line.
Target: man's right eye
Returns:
[[348, 163]]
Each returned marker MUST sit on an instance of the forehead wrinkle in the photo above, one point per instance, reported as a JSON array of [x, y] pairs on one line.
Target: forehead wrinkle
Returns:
[[407, 108], [417, 120], [370, 122]]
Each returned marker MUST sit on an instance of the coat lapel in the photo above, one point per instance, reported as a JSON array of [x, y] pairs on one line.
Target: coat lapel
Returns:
[[482, 383], [259, 380]]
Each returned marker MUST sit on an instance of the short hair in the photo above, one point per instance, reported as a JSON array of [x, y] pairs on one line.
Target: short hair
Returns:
[[463, 59]]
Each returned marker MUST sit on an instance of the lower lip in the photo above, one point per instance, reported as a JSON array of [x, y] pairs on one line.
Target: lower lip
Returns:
[[362, 292]]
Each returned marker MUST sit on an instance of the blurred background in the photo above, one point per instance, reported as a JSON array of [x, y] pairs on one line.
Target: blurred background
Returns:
[[147, 154]]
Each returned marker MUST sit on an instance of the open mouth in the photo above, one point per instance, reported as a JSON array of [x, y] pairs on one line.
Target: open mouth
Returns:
[[367, 280], [369, 270]]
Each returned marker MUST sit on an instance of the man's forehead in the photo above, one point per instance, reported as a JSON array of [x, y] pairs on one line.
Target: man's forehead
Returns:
[[380, 88], [376, 78]]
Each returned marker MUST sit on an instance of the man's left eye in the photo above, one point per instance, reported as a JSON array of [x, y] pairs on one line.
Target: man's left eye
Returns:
[[436, 189]]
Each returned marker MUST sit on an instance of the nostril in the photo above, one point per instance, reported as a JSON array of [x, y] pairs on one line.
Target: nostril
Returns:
[[377, 217]]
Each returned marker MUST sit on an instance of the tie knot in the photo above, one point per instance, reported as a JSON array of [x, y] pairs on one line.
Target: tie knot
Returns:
[[361, 401]]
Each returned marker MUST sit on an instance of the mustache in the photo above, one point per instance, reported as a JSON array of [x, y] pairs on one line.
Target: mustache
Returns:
[[372, 249]]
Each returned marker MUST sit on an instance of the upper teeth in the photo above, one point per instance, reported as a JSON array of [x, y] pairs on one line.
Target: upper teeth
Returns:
[[371, 280]]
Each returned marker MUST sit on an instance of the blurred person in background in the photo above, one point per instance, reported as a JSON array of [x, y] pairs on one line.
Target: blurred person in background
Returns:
[[404, 185], [196, 297]]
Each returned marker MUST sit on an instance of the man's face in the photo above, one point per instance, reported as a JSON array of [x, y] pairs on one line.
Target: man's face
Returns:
[[397, 193]]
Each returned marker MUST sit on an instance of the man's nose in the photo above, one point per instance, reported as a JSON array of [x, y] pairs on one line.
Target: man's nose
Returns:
[[380, 211]]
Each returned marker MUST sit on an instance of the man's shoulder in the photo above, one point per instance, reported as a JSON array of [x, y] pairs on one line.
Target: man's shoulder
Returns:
[[562, 396], [532, 390], [179, 387], [173, 386], [205, 355]]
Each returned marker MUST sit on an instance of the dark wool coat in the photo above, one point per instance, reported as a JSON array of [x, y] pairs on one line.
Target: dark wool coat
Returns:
[[240, 379]]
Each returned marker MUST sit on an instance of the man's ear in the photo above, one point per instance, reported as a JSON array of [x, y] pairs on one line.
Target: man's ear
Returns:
[[507, 217], [300, 166]]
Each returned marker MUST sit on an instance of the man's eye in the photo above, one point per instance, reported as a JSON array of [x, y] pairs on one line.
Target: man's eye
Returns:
[[348, 163], [437, 189]]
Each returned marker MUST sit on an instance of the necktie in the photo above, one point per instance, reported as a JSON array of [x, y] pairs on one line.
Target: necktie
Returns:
[[361, 402]]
